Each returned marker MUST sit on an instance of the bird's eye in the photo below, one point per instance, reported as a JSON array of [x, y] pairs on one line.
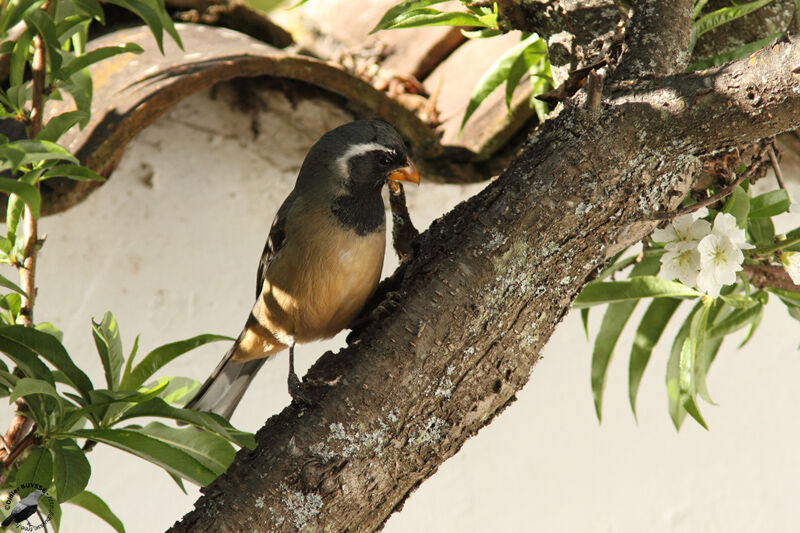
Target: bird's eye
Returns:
[[386, 159]]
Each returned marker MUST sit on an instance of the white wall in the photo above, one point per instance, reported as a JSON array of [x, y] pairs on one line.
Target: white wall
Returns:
[[170, 244]]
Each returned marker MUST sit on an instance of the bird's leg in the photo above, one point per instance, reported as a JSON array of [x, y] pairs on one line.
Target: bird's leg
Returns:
[[295, 386]]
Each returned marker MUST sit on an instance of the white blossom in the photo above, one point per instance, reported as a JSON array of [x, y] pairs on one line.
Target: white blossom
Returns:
[[720, 260], [725, 225], [684, 229], [791, 262], [682, 263]]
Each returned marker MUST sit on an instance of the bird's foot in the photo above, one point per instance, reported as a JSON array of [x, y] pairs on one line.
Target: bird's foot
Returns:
[[297, 391]]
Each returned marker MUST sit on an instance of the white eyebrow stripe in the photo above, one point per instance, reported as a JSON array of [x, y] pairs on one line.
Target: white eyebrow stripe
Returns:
[[356, 150]]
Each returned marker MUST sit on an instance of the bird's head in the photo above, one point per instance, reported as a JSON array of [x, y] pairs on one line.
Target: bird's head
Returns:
[[359, 156]]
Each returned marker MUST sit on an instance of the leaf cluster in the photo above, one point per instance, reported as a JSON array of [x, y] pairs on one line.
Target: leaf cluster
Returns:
[[705, 325]]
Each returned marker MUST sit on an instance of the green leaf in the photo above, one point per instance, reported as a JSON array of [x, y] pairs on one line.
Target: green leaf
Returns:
[[762, 230], [700, 361], [481, 33], [59, 124], [691, 407], [431, 17], [71, 469], [28, 386], [769, 204], [497, 73], [91, 8], [208, 421], [14, 11], [400, 10], [50, 349], [739, 301], [211, 451], [648, 333], [25, 358], [37, 151], [677, 412], [534, 54], [163, 355], [614, 320], [27, 192], [153, 14], [152, 450], [95, 505], [99, 54], [14, 211], [109, 347], [8, 284], [80, 87], [178, 390], [73, 172], [19, 58], [732, 55], [41, 21], [12, 156], [632, 289], [734, 322], [738, 205], [37, 468], [722, 16]]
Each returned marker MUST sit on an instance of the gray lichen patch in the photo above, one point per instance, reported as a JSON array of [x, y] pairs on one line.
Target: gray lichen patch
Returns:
[[431, 432], [356, 441], [303, 507]]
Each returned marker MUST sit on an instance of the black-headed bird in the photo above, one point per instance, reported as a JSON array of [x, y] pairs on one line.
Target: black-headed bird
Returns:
[[323, 256]]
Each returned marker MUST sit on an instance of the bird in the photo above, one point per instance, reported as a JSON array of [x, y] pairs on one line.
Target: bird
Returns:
[[24, 509], [322, 260]]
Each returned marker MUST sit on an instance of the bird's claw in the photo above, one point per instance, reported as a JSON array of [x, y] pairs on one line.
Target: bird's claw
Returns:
[[297, 391]]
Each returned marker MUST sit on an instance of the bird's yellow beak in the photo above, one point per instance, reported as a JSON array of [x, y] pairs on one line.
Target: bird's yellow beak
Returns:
[[406, 173]]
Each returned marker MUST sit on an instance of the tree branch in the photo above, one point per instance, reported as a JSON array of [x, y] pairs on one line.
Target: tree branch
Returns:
[[490, 281]]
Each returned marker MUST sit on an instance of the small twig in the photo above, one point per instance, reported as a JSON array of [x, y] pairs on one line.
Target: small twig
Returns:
[[776, 167], [667, 215], [763, 276], [41, 519]]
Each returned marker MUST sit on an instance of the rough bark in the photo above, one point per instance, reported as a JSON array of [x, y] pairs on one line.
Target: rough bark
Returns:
[[489, 283]]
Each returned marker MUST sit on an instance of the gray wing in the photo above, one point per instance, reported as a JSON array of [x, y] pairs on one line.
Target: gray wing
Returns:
[[275, 241]]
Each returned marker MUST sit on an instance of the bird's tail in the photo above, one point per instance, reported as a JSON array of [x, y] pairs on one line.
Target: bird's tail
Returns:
[[223, 390]]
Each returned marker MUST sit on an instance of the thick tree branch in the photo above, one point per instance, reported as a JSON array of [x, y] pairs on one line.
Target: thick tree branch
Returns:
[[489, 283]]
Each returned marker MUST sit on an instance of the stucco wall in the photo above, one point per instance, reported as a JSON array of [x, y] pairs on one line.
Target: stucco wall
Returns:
[[170, 244]]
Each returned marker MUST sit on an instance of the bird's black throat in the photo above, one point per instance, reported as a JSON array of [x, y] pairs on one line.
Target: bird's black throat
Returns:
[[360, 210]]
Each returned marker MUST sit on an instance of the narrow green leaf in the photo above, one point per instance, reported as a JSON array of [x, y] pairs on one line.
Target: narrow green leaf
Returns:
[[751, 329], [129, 362], [691, 407], [497, 73], [99, 54], [698, 7], [732, 55], [585, 321], [8, 284], [677, 412], [722, 16], [91, 8], [179, 389], [109, 347], [37, 468], [738, 205], [739, 301], [398, 11], [163, 355], [734, 322], [431, 17], [14, 211], [150, 449], [45, 27], [614, 320], [71, 469], [73, 172], [51, 349], [11, 156], [534, 53], [208, 421], [25, 358], [648, 333], [632, 289], [769, 204], [27, 192], [700, 363], [213, 452], [762, 230], [37, 151], [80, 87], [59, 124], [95, 505], [19, 58], [481, 33], [13, 13]]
